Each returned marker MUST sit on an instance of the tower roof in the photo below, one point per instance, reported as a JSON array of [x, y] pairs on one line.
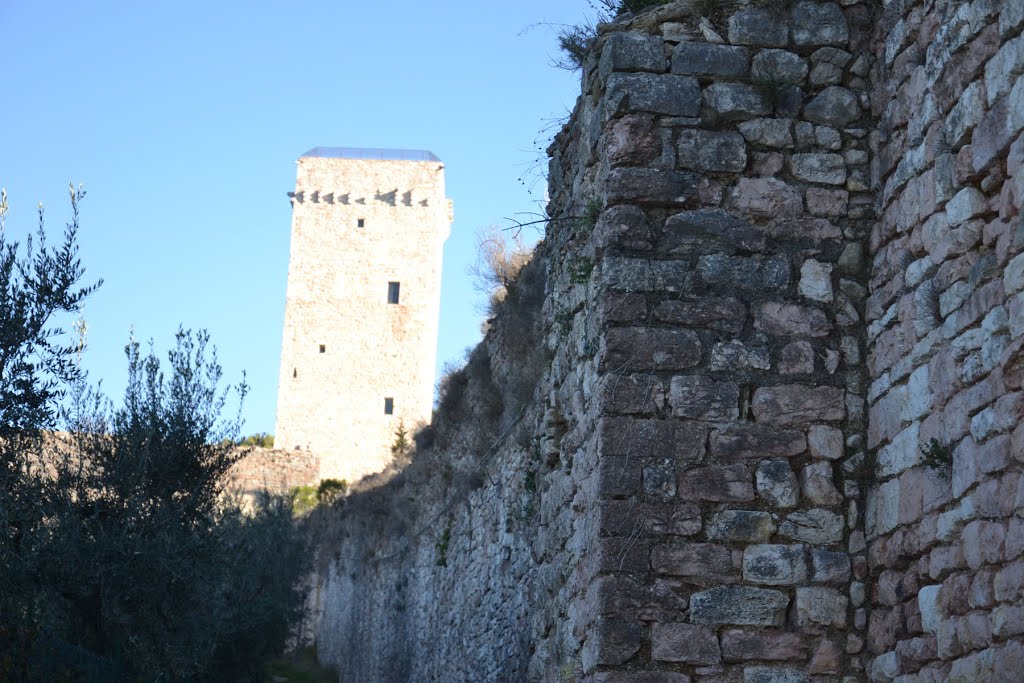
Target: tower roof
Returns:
[[382, 154]]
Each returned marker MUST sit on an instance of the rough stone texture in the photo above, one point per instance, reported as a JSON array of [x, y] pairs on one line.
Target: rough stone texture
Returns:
[[700, 59], [709, 151], [739, 605], [774, 433]]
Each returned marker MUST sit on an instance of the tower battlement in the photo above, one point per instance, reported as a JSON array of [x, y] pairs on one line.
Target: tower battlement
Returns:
[[362, 304]]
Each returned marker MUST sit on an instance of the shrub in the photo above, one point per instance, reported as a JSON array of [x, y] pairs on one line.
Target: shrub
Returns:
[[498, 263], [122, 557], [331, 490]]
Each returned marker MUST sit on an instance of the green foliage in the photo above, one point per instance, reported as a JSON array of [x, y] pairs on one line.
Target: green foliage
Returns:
[[580, 268], [304, 499], [331, 490], [402, 444], [124, 558], [261, 440], [441, 547], [36, 359], [937, 455], [575, 42]]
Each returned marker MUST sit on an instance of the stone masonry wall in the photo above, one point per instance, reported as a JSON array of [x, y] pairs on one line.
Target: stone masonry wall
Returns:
[[946, 324], [784, 254], [729, 258]]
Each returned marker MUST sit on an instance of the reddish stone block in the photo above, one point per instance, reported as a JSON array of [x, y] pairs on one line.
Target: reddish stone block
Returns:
[[617, 641], [741, 646], [791, 320], [650, 187], [796, 358], [618, 477], [992, 136], [725, 314], [632, 140], [632, 394], [756, 441], [697, 398], [792, 404], [685, 558], [725, 483], [630, 349], [826, 660], [623, 307], [687, 643], [980, 303], [638, 438]]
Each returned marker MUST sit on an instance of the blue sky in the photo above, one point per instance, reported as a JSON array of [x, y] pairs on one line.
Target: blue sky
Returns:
[[183, 121]]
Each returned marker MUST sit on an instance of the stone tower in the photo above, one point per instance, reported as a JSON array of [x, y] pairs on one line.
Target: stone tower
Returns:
[[361, 313]]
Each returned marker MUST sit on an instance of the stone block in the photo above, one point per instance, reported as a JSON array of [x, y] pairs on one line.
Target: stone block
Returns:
[[992, 136], [735, 101], [685, 558], [791, 320], [637, 438], [822, 202], [722, 314], [817, 486], [775, 565], [739, 605], [825, 442], [829, 169], [698, 398], [632, 140], [721, 483], [692, 232], [758, 273], [982, 543], [767, 198], [740, 646], [815, 526], [620, 477], [966, 204], [830, 567], [778, 66], [759, 27], [1002, 69], [641, 275], [631, 52], [792, 404], [816, 23], [617, 640], [796, 358], [834, 106], [776, 483], [771, 674], [703, 59], [756, 441], [965, 115], [632, 394], [774, 133], [820, 606], [816, 280], [648, 186], [712, 151], [735, 355], [747, 526], [900, 455], [666, 94], [685, 643], [629, 349], [623, 225]]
